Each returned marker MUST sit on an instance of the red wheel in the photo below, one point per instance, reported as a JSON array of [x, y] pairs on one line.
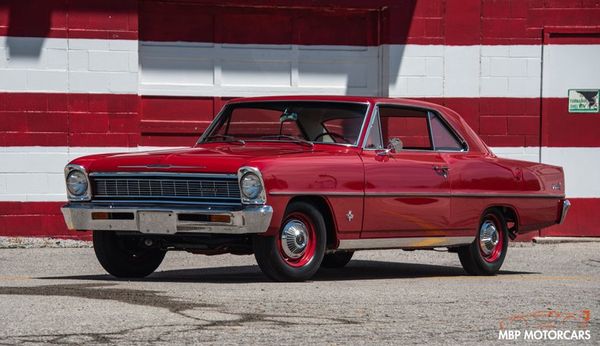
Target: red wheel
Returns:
[[295, 254], [297, 240], [486, 254], [491, 239]]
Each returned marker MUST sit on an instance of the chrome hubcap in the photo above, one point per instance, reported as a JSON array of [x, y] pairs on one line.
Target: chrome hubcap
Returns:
[[488, 237], [294, 238]]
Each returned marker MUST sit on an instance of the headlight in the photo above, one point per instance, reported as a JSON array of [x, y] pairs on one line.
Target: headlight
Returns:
[[251, 185], [77, 183]]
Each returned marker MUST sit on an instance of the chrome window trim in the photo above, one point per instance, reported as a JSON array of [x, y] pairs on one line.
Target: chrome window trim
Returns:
[[202, 138], [88, 193], [428, 110]]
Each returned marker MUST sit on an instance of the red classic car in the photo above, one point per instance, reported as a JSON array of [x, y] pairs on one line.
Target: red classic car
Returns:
[[304, 181]]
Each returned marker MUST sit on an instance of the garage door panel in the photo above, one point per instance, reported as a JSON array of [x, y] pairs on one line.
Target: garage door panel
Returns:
[[257, 51]]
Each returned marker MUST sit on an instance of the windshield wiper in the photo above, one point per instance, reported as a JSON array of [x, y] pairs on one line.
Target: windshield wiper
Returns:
[[291, 138], [226, 139]]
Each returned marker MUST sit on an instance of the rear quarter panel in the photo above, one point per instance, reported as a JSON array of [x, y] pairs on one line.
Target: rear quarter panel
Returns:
[[483, 181]]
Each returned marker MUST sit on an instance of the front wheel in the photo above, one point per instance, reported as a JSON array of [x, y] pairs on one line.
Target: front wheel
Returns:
[[124, 256], [295, 254], [486, 254]]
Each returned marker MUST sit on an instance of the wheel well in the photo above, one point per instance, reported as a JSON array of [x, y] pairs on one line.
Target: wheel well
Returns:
[[511, 218], [321, 204]]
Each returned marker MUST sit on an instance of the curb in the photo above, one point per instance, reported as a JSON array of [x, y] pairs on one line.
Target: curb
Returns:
[[562, 240], [28, 243]]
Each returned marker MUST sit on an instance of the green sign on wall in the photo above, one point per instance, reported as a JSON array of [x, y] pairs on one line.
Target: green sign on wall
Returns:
[[583, 100]]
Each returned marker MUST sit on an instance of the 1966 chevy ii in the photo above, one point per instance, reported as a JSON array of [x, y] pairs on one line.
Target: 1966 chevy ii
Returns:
[[304, 181]]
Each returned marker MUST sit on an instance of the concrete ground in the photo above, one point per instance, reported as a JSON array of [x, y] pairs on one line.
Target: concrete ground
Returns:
[[62, 295]]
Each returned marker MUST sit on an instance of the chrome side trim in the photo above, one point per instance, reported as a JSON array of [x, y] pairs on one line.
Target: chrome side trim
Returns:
[[164, 174], [320, 193], [505, 195], [565, 209], [412, 243], [412, 194], [252, 219]]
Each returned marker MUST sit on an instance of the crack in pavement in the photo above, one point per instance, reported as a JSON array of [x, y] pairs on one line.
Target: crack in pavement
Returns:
[[150, 299]]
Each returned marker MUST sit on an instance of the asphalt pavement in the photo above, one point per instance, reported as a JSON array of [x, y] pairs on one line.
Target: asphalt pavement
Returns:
[[62, 295]]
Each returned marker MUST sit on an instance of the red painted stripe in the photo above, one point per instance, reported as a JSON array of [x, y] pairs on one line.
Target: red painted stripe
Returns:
[[331, 22], [582, 220], [44, 219], [106, 19], [35, 219], [562, 129], [105, 120]]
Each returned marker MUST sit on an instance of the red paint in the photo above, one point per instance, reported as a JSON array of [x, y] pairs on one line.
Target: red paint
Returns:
[[112, 19], [582, 220], [35, 219], [313, 25], [332, 22], [101, 120], [563, 129]]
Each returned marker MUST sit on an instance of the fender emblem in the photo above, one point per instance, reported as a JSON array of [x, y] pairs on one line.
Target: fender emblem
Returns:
[[349, 216]]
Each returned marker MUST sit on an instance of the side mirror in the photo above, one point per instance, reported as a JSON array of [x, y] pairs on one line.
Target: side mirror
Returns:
[[395, 144]]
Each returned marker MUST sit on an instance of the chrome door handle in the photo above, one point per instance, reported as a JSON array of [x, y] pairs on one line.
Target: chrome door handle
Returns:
[[441, 170]]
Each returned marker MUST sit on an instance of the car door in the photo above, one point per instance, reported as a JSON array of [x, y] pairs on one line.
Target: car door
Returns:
[[407, 190]]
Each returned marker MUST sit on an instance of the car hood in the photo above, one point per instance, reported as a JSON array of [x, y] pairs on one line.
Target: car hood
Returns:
[[209, 158]]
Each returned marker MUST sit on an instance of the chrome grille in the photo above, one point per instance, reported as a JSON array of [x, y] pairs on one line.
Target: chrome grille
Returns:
[[170, 188]]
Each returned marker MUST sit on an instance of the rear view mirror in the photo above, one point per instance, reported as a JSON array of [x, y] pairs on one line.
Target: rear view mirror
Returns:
[[288, 116]]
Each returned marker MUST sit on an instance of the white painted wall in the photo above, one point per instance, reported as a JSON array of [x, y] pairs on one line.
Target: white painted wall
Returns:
[[207, 69], [30, 64]]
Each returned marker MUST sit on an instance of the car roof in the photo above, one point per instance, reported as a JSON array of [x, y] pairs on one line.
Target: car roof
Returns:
[[338, 98]]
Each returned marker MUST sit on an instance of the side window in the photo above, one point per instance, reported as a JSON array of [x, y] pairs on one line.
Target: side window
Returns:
[[443, 139], [410, 126]]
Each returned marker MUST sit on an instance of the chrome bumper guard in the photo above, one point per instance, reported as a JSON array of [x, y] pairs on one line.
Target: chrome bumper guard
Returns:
[[565, 209], [164, 220]]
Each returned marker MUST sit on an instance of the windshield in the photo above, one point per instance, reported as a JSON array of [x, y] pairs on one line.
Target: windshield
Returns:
[[298, 121]]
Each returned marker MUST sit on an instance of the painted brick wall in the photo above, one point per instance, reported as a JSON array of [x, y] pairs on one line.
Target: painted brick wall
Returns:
[[71, 82]]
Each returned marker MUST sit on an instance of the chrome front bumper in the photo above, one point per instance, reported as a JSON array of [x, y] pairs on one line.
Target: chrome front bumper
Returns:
[[165, 220]]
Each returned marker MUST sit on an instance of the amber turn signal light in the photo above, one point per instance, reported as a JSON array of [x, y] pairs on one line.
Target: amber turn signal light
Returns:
[[220, 218]]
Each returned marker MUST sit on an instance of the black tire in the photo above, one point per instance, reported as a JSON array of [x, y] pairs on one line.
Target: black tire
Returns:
[[271, 256], [337, 259], [123, 256], [474, 258]]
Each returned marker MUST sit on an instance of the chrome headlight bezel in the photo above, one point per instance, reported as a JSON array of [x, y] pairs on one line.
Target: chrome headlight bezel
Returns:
[[252, 173], [87, 194]]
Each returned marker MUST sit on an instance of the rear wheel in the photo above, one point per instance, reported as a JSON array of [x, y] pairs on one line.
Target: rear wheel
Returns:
[[486, 254], [337, 259], [295, 254], [124, 256]]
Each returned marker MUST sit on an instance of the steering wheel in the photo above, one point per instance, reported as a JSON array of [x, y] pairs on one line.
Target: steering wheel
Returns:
[[333, 135]]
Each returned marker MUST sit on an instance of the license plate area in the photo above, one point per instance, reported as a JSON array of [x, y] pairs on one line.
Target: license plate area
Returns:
[[157, 222]]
